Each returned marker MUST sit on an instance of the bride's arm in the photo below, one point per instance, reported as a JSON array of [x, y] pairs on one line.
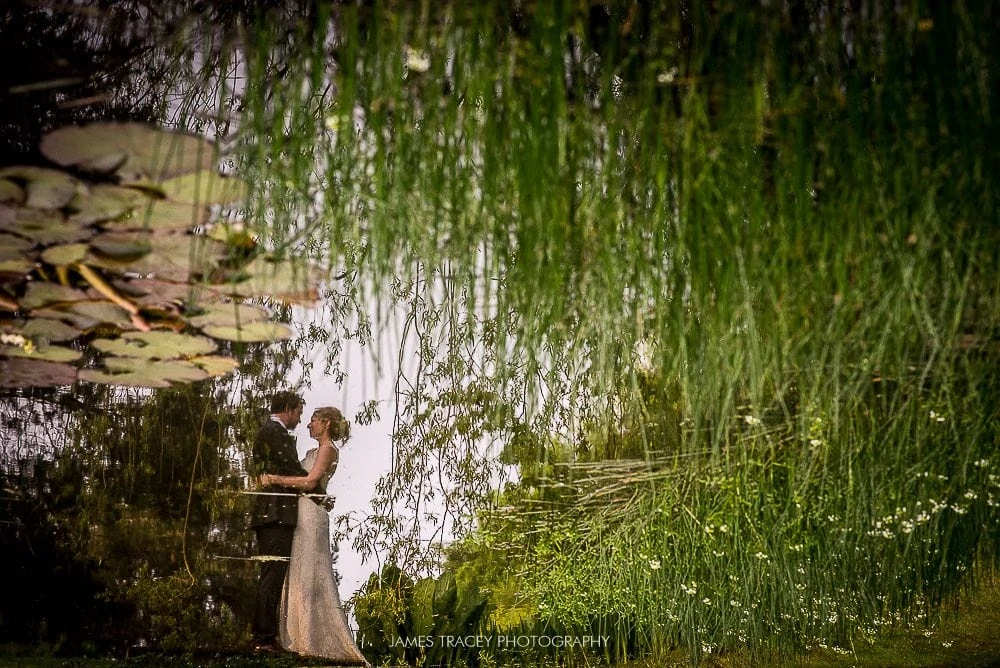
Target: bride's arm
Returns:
[[326, 459]]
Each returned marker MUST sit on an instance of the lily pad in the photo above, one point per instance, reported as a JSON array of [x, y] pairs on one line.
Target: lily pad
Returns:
[[215, 365], [204, 187], [99, 312], [45, 188], [122, 247], [156, 293], [65, 254], [105, 202], [251, 332], [12, 255], [44, 293], [22, 372], [162, 216], [288, 280], [155, 345], [15, 265], [176, 257], [233, 314], [136, 153], [45, 227], [67, 315], [50, 330], [11, 192], [144, 373], [13, 244], [41, 352]]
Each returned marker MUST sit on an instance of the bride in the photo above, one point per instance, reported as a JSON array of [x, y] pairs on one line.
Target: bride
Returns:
[[311, 619]]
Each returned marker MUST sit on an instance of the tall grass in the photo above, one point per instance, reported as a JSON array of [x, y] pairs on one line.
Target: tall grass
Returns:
[[793, 211]]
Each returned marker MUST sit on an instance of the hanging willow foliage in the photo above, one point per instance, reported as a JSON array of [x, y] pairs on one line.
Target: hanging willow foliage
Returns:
[[749, 250]]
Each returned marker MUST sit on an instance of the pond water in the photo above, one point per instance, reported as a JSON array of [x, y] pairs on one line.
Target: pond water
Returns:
[[688, 316]]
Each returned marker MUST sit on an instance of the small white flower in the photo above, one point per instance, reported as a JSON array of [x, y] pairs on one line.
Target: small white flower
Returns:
[[416, 60], [654, 564], [12, 339], [947, 643], [667, 76]]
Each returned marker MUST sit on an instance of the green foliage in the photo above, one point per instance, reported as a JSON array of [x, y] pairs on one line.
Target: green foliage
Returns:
[[137, 499], [403, 620]]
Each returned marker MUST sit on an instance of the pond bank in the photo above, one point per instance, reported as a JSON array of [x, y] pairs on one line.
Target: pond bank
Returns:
[[966, 637]]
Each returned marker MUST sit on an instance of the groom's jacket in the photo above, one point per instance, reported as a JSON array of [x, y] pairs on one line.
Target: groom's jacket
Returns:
[[274, 452]]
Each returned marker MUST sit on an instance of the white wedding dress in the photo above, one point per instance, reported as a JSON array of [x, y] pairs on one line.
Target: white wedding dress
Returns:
[[312, 619]]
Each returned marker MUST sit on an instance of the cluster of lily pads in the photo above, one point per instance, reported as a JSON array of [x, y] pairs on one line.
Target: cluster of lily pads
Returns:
[[115, 267]]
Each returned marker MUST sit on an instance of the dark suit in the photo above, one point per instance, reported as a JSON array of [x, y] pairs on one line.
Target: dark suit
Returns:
[[273, 520]]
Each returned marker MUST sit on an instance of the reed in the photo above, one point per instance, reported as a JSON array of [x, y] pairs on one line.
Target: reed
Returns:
[[792, 214]]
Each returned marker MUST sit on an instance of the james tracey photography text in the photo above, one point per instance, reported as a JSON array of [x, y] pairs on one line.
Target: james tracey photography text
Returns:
[[515, 642]]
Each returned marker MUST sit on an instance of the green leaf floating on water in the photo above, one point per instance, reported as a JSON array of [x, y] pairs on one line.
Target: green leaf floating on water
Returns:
[[42, 352], [103, 202], [10, 192], [204, 187], [65, 254], [155, 345], [161, 216], [10, 243], [22, 372], [159, 293], [45, 227], [134, 152], [43, 293], [231, 314], [178, 257], [50, 329], [122, 247], [287, 280], [251, 332], [215, 365], [46, 188], [99, 311], [135, 372], [13, 259], [87, 315]]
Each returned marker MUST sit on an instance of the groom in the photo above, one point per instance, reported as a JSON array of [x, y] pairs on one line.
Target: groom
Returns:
[[274, 517]]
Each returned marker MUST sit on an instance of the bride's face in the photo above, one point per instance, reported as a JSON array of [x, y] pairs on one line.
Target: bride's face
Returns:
[[317, 427]]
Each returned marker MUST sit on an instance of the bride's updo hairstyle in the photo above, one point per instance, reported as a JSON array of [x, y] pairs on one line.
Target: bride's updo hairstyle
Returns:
[[339, 429]]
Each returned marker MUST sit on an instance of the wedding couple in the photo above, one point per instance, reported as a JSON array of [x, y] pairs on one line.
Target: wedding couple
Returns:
[[298, 606]]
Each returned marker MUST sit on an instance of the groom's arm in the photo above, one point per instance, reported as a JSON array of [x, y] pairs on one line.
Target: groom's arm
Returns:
[[326, 463]]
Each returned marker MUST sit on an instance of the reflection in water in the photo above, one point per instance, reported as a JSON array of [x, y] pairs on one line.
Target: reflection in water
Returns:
[[794, 209]]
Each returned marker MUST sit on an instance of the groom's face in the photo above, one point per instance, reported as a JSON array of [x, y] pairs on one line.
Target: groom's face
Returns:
[[294, 417]]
